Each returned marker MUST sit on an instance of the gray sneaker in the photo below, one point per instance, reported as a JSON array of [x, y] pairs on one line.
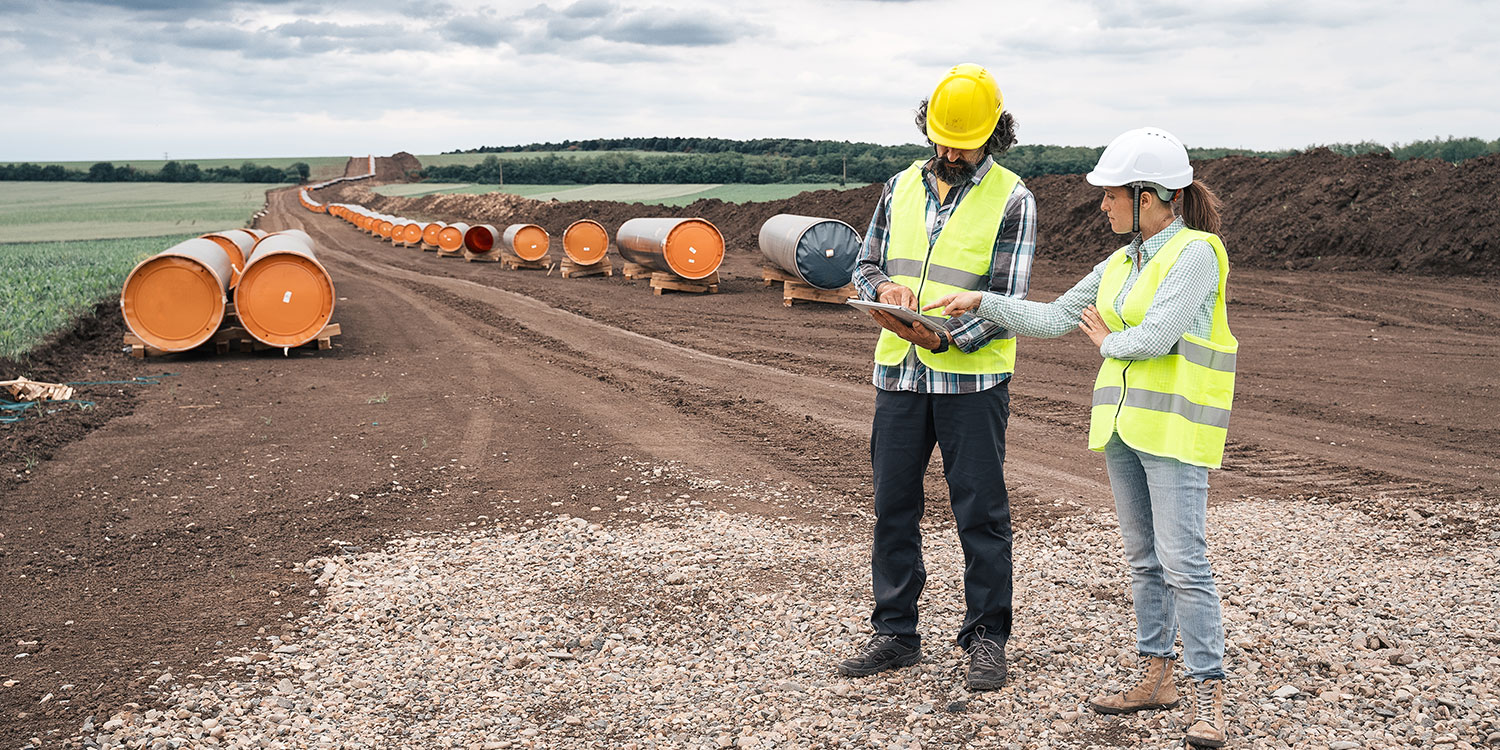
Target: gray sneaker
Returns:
[[987, 670], [881, 653]]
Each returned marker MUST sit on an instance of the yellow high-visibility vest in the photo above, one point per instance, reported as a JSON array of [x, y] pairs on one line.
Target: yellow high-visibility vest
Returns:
[[1176, 405], [959, 261]]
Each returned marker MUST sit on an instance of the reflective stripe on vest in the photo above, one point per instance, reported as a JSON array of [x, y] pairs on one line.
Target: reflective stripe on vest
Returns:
[[959, 260], [1176, 405]]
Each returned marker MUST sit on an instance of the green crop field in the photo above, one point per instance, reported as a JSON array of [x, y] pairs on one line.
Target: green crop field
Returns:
[[664, 195], [44, 286], [64, 246], [43, 211]]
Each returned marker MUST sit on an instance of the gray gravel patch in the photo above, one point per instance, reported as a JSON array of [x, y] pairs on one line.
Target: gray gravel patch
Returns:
[[703, 629]]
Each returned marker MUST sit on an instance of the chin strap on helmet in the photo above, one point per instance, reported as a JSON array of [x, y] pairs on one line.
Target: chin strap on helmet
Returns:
[[1135, 208]]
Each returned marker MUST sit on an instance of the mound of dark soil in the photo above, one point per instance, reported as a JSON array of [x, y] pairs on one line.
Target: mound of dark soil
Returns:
[[1317, 210], [398, 167], [1314, 210]]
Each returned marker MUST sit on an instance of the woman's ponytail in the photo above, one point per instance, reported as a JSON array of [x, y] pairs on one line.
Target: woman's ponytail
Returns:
[[1200, 208]]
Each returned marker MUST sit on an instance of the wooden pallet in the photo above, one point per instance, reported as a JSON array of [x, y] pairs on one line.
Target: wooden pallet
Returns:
[[513, 262], [572, 269], [661, 282], [635, 271], [233, 338], [453, 254], [431, 248], [490, 257], [793, 288]]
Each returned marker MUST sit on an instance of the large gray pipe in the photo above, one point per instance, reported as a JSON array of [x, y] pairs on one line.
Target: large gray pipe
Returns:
[[821, 252]]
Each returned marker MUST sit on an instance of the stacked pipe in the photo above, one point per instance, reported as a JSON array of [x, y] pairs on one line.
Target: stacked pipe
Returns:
[[285, 296], [175, 300]]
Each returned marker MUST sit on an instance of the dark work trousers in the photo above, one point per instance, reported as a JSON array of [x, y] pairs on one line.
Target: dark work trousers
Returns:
[[970, 430]]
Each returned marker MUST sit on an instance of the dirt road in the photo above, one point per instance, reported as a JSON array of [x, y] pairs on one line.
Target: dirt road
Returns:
[[461, 394]]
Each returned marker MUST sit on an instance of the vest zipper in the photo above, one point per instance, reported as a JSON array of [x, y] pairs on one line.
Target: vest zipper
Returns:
[[931, 244], [1121, 406]]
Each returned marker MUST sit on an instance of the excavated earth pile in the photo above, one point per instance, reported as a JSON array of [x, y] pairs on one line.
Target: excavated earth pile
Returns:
[[1315, 210], [398, 167]]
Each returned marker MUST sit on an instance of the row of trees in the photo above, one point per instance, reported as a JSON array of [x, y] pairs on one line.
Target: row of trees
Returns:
[[718, 160], [754, 147], [172, 171], [631, 167]]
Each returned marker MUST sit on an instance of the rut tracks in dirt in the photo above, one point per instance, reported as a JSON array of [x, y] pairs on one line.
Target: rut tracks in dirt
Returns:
[[779, 431]]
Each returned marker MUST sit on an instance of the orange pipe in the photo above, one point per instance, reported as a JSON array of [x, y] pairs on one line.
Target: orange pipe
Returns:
[[527, 241], [690, 248], [430, 235], [285, 296], [586, 242], [451, 237], [174, 300], [237, 246], [481, 239]]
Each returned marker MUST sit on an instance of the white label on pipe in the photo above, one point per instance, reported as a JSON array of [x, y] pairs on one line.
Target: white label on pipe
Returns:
[[588, 249], [828, 253], [692, 249], [285, 298]]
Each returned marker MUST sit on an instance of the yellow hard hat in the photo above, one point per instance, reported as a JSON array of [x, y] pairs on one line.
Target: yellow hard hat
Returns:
[[963, 109]]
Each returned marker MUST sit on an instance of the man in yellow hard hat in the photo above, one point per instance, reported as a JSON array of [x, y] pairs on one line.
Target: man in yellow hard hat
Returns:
[[957, 221]]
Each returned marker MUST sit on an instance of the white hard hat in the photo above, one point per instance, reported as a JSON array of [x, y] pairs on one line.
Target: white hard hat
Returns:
[[1143, 155]]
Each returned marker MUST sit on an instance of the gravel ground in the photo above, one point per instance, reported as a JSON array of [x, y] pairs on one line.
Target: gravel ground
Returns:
[[699, 628]]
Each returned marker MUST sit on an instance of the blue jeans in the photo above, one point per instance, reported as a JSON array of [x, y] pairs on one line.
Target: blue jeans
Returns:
[[1163, 507]]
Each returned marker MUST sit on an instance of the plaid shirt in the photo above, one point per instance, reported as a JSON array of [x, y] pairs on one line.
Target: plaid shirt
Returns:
[[1010, 274], [1184, 303]]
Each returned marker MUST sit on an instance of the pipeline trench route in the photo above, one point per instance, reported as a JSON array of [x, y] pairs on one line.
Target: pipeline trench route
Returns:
[[780, 434], [1249, 467]]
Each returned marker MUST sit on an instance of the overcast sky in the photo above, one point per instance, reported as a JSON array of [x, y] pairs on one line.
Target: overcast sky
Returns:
[[114, 79]]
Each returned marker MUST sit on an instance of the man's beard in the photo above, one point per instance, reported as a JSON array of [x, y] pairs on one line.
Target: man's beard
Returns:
[[953, 172]]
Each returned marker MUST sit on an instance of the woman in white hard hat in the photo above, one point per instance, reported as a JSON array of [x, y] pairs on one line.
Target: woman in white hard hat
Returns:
[[1156, 309]]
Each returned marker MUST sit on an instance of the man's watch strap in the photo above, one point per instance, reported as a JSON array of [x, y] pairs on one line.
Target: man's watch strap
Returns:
[[945, 340]]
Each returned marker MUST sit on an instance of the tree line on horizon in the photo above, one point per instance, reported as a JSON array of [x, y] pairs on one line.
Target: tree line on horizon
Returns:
[[172, 171], [719, 160], [712, 161]]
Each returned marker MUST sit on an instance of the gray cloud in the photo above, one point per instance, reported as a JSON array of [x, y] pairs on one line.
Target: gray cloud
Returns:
[[682, 30], [243, 77], [476, 30]]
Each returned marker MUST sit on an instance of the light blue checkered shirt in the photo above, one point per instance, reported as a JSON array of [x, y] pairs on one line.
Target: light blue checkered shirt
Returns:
[[1184, 302]]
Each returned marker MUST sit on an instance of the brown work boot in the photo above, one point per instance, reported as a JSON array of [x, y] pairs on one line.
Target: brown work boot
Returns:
[[1207, 729], [1154, 690]]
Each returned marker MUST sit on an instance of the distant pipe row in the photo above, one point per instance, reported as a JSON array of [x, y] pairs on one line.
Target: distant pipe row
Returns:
[[821, 252], [305, 194]]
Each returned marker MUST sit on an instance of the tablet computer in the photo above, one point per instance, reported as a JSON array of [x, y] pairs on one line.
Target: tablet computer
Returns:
[[933, 322]]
